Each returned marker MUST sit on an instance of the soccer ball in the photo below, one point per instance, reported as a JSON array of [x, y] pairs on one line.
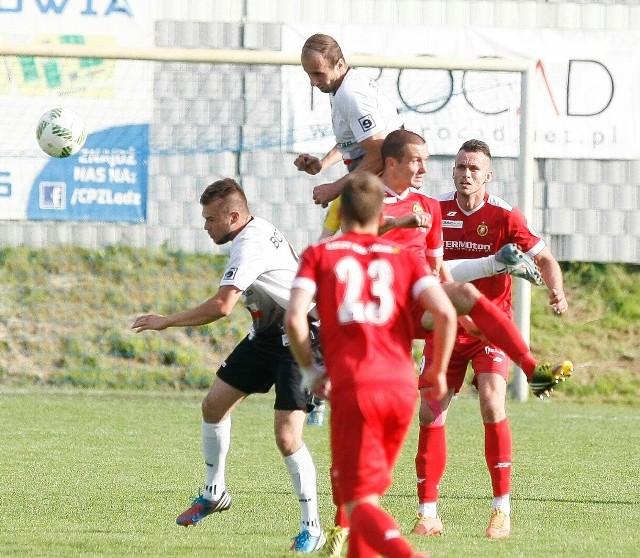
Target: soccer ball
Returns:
[[60, 132]]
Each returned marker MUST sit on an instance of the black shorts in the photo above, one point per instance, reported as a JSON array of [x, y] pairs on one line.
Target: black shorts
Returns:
[[257, 364]]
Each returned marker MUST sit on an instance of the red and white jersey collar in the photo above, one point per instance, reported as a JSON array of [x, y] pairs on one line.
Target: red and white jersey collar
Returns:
[[391, 196], [478, 208]]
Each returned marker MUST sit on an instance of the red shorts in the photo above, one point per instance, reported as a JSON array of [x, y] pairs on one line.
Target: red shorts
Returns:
[[367, 432], [484, 358]]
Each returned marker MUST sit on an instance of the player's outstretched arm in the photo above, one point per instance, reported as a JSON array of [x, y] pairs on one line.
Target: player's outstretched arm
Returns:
[[218, 306], [371, 162], [313, 165], [409, 221]]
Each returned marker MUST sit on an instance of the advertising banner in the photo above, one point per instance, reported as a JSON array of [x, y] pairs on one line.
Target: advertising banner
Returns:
[[586, 88], [107, 179]]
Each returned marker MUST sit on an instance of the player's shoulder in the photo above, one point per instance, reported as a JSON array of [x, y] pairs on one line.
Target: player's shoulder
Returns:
[[419, 193], [258, 225], [358, 244], [355, 83], [318, 246], [258, 232], [497, 201], [426, 200], [447, 196], [356, 77], [326, 247]]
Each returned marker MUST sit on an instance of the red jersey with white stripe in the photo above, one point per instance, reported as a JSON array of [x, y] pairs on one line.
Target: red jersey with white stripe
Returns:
[[422, 241], [364, 286], [482, 232]]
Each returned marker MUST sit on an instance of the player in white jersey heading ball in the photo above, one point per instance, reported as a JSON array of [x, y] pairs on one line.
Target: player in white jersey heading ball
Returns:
[[361, 117], [261, 267]]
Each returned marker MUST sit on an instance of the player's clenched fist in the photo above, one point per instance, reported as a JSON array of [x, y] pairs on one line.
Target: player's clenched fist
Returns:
[[308, 163]]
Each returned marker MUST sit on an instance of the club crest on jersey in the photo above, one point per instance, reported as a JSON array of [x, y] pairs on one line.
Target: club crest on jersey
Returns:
[[482, 229], [417, 208]]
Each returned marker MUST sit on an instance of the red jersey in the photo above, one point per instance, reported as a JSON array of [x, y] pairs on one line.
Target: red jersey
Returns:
[[419, 240], [482, 232], [364, 287]]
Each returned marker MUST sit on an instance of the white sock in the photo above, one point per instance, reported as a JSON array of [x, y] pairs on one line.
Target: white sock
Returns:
[[428, 509], [216, 439], [303, 477], [464, 271], [502, 503]]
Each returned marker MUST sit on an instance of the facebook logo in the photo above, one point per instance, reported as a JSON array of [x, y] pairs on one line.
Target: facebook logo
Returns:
[[53, 195]]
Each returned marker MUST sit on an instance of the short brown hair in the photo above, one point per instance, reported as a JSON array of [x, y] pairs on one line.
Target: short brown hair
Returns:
[[362, 197], [475, 146], [395, 144], [324, 45], [222, 189]]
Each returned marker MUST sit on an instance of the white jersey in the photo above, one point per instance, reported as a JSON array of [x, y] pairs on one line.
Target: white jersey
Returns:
[[358, 111], [262, 264]]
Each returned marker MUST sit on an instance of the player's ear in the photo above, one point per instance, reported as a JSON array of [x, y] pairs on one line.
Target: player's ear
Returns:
[[391, 162], [488, 177]]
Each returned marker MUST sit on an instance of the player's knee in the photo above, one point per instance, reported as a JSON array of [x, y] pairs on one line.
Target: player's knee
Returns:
[[211, 411], [431, 412], [471, 292], [463, 296], [493, 412], [288, 443]]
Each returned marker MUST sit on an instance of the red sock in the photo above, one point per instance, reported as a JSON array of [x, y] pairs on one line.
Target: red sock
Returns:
[[342, 519], [358, 547], [431, 460], [498, 453], [380, 532], [502, 332]]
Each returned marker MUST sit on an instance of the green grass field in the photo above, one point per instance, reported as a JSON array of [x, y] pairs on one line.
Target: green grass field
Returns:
[[89, 473]]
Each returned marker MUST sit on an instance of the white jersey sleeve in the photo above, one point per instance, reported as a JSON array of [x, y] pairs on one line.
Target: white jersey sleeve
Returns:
[[360, 110]]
